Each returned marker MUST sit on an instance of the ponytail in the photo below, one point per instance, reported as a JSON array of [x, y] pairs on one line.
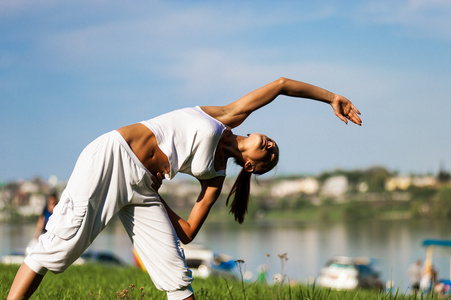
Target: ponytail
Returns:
[[240, 192]]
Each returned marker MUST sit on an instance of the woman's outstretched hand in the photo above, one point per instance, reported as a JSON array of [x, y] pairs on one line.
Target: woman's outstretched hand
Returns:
[[345, 110]]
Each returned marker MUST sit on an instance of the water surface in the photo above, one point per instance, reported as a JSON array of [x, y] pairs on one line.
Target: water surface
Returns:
[[394, 243]]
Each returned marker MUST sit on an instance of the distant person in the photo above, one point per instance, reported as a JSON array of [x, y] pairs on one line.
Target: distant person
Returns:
[[428, 277], [120, 173], [414, 274], [51, 201]]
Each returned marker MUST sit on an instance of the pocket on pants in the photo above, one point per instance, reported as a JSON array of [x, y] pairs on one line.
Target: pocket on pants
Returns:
[[67, 217]]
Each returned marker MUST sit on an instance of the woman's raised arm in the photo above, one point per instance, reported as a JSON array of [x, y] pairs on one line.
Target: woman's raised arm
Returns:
[[235, 113]]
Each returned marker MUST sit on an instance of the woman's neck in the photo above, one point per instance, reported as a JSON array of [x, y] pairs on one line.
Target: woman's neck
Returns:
[[230, 145]]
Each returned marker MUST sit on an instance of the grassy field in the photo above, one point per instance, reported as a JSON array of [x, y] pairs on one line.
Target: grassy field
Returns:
[[101, 282]]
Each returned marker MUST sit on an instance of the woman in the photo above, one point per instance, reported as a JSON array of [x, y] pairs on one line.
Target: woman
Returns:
[[121, 171]]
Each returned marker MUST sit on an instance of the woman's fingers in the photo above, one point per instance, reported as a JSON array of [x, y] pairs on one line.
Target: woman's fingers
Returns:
[[341, 117], [348, 112], [353, 117], [355, 109], [345, 110]]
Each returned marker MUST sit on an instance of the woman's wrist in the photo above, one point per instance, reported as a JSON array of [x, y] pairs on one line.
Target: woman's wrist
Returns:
[[331, 98]]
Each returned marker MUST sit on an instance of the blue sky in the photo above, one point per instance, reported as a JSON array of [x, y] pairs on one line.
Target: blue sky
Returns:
[[72, 70]]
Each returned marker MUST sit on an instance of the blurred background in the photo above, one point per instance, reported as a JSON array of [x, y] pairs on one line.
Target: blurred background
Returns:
[[73, 70]]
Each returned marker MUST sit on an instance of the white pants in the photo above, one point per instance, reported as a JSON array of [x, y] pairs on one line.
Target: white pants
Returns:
[[109, 179]]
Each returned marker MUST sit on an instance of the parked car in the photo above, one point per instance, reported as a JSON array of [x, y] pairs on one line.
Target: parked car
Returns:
[[347, 273], [100, 257]]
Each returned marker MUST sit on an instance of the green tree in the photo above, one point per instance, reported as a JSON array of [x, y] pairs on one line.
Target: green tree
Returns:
[[376, 178], [443, 175], [441, 204]]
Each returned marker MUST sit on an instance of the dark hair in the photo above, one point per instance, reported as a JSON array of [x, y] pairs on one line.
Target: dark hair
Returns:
[[54, 194], [242, 186], [240, 192]]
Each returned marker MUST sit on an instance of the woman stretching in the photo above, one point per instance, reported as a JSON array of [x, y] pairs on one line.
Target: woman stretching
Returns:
[[120, 173]]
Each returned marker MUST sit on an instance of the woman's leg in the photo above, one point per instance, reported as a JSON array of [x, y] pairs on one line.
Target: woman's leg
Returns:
[[25, 283], [81, 214], [158, 247]]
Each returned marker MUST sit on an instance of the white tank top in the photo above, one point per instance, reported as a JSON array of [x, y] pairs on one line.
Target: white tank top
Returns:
[[189, 138]]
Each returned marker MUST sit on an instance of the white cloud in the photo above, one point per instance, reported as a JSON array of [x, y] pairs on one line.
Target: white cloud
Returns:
[[144, 34], [204, 72], [439, 4], [426, 18], [11, 7]]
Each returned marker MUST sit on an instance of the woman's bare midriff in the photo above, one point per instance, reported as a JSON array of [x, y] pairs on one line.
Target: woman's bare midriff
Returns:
[[144, 144]]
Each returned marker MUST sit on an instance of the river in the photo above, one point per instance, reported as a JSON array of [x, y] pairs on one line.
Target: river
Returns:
[[395, 244]]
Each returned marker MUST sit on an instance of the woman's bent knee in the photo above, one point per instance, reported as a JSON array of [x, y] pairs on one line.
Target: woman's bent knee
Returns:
[[183, 293]]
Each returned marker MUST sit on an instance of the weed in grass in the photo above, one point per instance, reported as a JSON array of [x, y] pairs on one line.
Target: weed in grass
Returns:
[[283, 263], [240, 263], [124, 294], [228, 288], [279, 278], [204, 294]]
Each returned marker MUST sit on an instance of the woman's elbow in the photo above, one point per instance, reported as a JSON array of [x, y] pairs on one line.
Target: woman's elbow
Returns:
[[186, 239], [281, 80]]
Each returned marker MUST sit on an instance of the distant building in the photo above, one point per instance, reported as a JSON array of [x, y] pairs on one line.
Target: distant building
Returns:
[[424, 181], [35, 206], [405, 181], [398, 183], [5, 195], [335, 186], [308, 186], [29, 187]]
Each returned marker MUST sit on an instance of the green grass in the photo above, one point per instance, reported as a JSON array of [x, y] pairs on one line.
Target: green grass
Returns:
[[101, 282]]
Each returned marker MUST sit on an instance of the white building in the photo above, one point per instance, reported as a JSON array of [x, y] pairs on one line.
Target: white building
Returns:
[[308, 185], [335, 186]]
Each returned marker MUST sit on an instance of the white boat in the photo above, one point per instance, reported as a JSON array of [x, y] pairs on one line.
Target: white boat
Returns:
[[203, 262]]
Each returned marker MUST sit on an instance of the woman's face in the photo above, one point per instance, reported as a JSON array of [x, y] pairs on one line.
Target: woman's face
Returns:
[[261, 149]]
